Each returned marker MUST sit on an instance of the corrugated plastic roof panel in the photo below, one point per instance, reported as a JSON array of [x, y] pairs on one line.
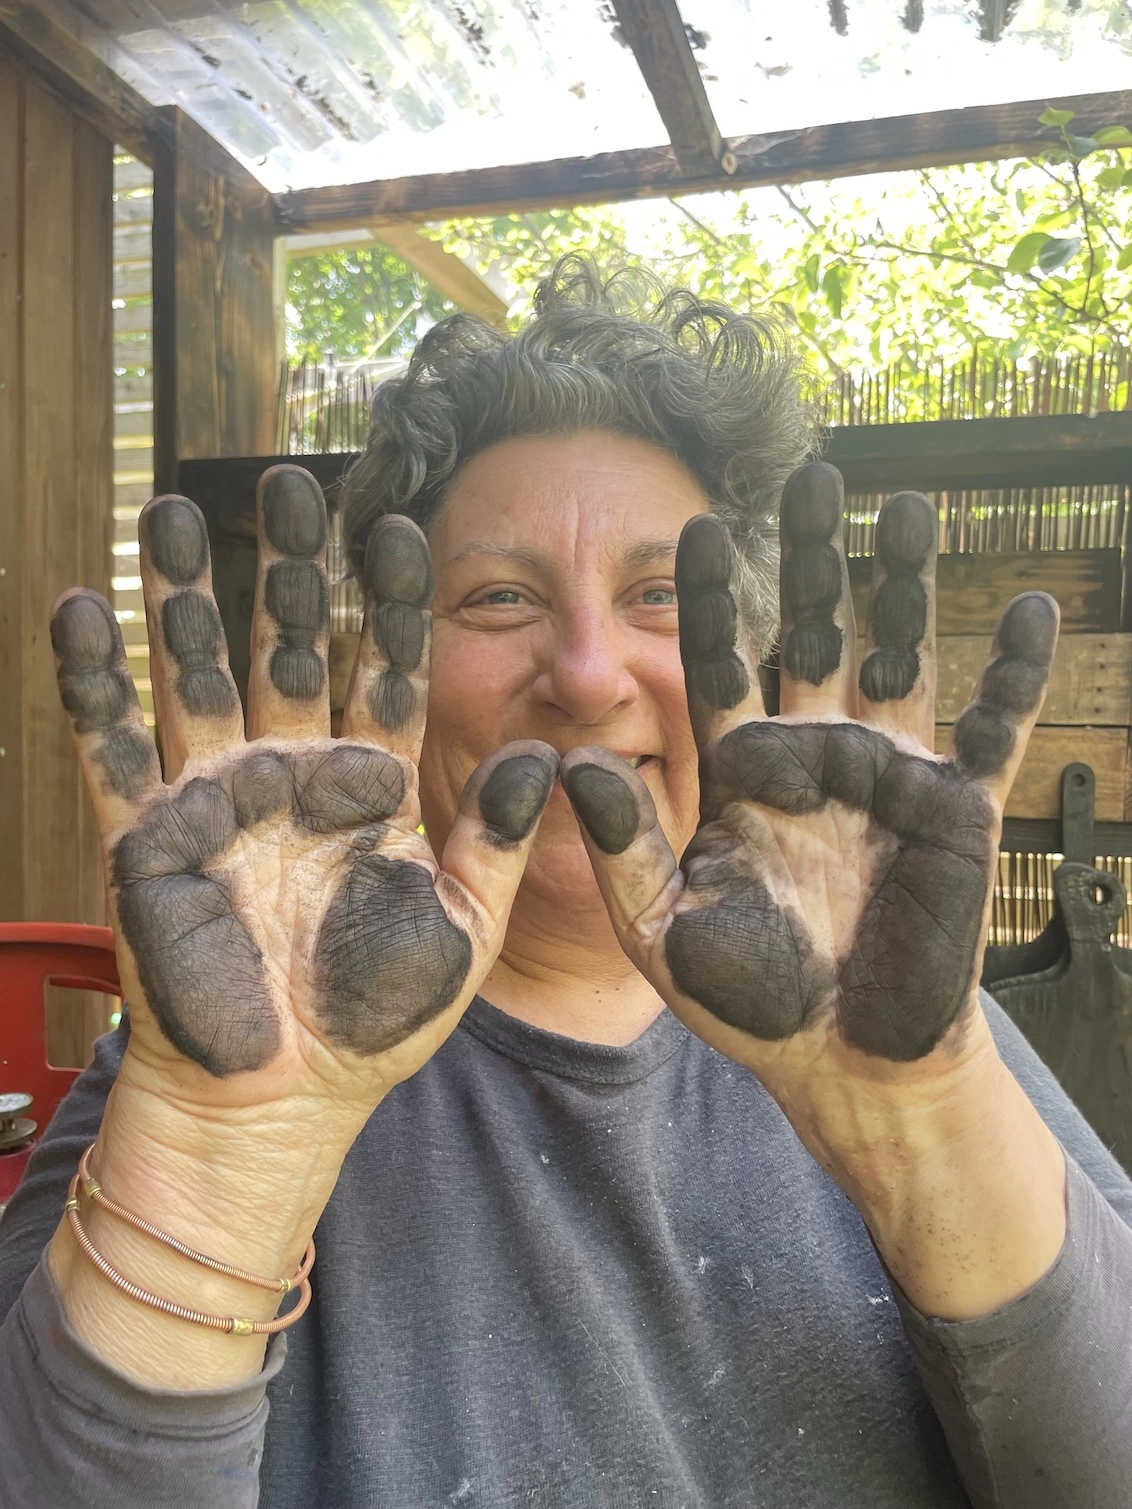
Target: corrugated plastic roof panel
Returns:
[[310, 92]]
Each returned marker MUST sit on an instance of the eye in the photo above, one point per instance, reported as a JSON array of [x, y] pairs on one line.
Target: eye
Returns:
[[659, 597], [505, 596]]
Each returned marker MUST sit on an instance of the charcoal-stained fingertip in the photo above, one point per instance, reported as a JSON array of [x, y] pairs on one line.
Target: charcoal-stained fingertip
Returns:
[[813, 502], [294, 513], [907, 531], [1029, 626], [512, 798], [704, 555], [398, 566], [173, 530], [605, 804]]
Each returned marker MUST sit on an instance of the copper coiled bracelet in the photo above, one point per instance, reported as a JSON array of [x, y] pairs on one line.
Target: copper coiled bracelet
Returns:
[[232, 1324]]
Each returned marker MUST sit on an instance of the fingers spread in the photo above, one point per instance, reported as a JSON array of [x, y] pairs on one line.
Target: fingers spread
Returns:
[[990, 735], [195, 699], [723, 689], [632, 859], [897, 681], [289, 688], [816, 663], [118, 756], [388, 693], [494, 830]]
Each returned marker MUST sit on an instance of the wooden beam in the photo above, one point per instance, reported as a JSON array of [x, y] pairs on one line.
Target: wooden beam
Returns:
[[39, 45], [1090, 683], [1036, 792], [447, 273], [934, 139], [1038, 835], [451, 277], [655, 30], [973, 589], [1043, 450], [213, 307]]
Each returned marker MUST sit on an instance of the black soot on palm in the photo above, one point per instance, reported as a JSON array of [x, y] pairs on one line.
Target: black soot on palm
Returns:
[[387, 958], [908, 972]]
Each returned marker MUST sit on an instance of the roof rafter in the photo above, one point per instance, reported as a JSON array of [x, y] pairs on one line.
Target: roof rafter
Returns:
[[935, 139], [656, 32]]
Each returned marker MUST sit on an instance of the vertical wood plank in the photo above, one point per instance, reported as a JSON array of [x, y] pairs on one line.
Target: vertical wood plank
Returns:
[[50, 559], [11, 494], [93, 495], [213, 317]]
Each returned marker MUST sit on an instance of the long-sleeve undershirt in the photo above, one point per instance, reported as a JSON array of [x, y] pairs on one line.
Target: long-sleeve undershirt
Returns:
[[560, 1274]]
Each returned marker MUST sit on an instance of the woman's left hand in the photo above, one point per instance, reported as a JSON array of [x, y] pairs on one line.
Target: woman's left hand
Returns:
[[826, 925]]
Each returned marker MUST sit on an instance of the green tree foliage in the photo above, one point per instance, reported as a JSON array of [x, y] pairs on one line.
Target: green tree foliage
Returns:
[[1005, 260], [357, 303]]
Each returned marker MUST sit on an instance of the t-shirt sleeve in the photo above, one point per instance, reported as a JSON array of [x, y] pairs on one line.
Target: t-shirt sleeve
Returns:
[[75, 1433], [1036, 1399]]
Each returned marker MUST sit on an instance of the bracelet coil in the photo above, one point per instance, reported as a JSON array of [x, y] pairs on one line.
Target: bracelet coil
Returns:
[[233, 1325]]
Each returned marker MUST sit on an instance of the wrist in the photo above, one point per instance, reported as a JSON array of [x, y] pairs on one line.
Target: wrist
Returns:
[[961, 1185]]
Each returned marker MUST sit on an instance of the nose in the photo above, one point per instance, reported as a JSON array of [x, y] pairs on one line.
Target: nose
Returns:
[[586, 676]]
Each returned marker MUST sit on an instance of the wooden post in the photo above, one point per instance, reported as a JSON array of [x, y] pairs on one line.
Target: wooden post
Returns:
[[213, 315], [56, 481]]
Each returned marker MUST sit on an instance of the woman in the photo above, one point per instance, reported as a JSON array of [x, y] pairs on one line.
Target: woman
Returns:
[[573, 1248]]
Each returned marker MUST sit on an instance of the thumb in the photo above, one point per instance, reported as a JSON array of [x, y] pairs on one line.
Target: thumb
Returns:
[[495, 828], [632, 859]]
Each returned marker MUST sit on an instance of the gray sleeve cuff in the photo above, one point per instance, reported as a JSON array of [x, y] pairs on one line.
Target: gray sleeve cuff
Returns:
[[1036, 1398], [74, 1431]]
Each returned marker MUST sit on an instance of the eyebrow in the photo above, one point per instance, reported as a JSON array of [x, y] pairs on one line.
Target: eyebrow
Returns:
[[648, 552]]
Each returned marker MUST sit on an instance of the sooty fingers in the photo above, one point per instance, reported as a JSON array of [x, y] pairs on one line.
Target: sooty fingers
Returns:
[[906, 540], [812, 505], [174, 531], [97, 692], [714, 672], [294, 513], [175, 537], [295, 591], [194, 637], [512, 798], [1012, 686], [298, 599], [399, 585], [605, 805]]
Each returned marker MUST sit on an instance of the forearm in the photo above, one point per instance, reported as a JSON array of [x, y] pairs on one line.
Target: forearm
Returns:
[[963, 1191], [239, 1187], [1035, 1399]]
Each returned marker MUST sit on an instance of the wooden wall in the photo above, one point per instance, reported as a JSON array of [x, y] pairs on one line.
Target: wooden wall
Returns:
[[56, 467]]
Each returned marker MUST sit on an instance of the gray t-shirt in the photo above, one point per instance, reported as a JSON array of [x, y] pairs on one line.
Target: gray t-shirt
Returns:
[[569, 1276]]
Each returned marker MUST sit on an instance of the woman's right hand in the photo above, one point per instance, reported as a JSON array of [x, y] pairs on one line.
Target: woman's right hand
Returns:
[[282, 927], [288, 944]]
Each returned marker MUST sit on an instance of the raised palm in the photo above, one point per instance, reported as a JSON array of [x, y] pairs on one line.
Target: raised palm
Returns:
[[283, 928], [831, 911]]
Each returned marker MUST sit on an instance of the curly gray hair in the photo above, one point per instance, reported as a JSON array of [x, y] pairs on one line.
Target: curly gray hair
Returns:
[[719, 390]]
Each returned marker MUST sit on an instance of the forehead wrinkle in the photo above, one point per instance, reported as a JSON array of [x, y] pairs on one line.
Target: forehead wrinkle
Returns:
[[518, 554], [641, 553]]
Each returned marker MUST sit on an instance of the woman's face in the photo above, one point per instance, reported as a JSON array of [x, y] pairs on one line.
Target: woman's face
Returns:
[[555, 619]]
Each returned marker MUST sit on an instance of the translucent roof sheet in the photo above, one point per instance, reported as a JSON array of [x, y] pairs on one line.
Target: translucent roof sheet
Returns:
[[309, 92]]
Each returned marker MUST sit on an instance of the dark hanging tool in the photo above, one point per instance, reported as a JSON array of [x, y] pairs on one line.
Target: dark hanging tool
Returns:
[[1070, 989]]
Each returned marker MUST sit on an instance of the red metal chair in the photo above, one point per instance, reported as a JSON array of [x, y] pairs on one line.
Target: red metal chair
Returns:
[[34, 955]]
